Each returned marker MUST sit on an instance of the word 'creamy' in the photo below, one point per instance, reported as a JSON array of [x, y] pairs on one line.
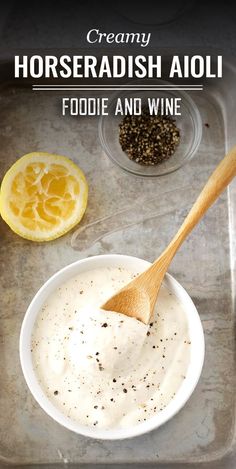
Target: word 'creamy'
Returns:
[[95, 36]]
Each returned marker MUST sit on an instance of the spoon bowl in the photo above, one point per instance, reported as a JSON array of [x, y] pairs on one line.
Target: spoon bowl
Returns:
[[132, 302]]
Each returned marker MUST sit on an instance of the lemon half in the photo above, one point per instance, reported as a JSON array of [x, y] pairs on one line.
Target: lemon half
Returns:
[[43, 196]]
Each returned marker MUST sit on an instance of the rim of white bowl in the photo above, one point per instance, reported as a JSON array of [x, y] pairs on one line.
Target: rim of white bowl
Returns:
[[183, 393]]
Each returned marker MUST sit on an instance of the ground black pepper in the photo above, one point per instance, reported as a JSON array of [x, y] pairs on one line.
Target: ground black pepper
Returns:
[[148, 140]]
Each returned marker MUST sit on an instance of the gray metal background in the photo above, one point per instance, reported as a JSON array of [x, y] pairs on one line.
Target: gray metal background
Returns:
[[203, 433]]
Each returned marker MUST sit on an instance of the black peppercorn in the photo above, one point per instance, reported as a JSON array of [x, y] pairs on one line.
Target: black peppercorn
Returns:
[[148, 139]]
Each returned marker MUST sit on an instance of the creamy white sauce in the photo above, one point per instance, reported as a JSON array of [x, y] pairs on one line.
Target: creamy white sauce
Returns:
[[102, 368]]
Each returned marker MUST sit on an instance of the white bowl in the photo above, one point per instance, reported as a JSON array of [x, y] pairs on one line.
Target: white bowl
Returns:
[[195, 334]]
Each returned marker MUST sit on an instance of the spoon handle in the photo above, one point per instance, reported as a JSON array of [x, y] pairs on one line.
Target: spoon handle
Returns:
[[217, 182]]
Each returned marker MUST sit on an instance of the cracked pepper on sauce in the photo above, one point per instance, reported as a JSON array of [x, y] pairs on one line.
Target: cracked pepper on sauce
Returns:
[[102, 368]]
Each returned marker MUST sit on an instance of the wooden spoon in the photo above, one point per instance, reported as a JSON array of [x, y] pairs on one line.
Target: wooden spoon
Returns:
[[138, 298]]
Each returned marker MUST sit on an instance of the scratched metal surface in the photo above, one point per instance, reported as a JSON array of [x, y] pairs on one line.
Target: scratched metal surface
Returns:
[[203, 432]]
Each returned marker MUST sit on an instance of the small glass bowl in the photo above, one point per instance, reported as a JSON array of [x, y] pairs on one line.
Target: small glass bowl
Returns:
[[189, 124]]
